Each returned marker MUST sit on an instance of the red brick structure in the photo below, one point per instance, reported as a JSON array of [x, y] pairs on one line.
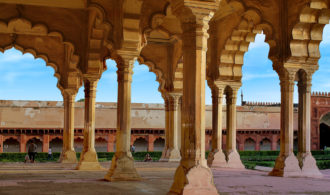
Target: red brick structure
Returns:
[[151, 136], [320, 107]]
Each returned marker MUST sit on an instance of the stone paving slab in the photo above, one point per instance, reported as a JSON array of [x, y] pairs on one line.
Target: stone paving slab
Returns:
[[56, 178]]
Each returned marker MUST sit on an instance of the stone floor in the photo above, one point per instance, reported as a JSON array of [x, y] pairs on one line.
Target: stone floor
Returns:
[[55, 178]]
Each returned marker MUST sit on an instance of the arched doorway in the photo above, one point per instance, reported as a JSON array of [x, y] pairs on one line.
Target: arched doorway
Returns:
[[265, 145], [78, 144], [101, 145], [11, 145], [141, 145], [159, 144], [56, 145], [37, 141], [249, 145], [325, 131]]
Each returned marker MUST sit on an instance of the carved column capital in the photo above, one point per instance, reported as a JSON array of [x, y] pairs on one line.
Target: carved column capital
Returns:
[[69, 94], [125, 68], [174, 101], [90, 87]]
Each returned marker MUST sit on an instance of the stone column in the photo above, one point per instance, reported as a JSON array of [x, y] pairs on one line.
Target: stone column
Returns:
[[88, 157], [286, 163], [306, 160], [233, 158], [22, 143], [274, 142], [111, 142], [122, 166], [45, 143], [68, 154], [193, 175], [151, 140], [216, 157], [164, 157], [174, 127], [257, 148], [1, 143]]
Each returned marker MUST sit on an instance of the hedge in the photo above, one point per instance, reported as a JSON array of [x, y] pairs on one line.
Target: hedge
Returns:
[[102, 156], [249, 158]]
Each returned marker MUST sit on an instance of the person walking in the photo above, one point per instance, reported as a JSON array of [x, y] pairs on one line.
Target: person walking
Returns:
[[133, 148], [50, 154], [32, 151]]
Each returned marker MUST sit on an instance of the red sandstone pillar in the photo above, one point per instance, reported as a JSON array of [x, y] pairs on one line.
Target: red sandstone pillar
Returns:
[[45, 143], [151, 140], [258, 143], [22, 143], [111, 142], [1, 144], [274, 142]]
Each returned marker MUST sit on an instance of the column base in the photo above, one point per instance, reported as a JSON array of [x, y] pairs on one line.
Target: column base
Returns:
[[194, 181], [89, 161], [122, 169], [286, 166], [173, 155], [68, 156], [234, 160], [164, 157], [308, 165], [216, 159]]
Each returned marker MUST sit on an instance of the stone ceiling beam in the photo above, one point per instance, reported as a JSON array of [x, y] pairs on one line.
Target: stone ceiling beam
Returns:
[[75, 4]]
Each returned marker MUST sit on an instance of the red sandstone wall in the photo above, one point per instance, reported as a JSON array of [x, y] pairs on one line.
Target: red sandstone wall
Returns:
[[42, 114]]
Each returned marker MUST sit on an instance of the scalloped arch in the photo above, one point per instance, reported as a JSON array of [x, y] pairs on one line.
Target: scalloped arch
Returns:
[[238, 43], [35, 55], [308, 31], [22, 26], [159, 74]]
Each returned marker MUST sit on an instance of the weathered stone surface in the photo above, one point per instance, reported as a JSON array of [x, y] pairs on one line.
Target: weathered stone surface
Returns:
[[286, 166], [68, 157], [234, 160], [122, 169], [216, 159], [308, 165]]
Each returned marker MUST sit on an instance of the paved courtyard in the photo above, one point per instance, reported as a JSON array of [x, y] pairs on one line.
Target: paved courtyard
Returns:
[[55, 178]]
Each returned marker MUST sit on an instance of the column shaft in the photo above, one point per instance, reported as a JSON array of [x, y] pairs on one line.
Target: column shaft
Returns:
[[165, 152], [88, 158], [193, 170], [151, 140], [216, 157], [174, 153], [233, 158], [68, 154], [286, 164], [306, 160], [122, 166], [22, 143], [45, 143], [110, 144]]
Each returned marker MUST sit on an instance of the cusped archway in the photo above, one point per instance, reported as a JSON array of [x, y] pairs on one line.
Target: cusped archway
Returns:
[[265, 144], [159, 144], [141, 145], [249, 145], [56, 144], [325, 131], [11, 145]]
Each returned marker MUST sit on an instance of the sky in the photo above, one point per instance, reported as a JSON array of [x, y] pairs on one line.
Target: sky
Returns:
[[24, 78]]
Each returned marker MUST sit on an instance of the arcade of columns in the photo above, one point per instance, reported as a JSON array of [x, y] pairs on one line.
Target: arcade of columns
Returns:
[[184, 42]]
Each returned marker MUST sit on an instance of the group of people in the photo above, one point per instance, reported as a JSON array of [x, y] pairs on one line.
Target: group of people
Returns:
[[32, 151], [147, 158]]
